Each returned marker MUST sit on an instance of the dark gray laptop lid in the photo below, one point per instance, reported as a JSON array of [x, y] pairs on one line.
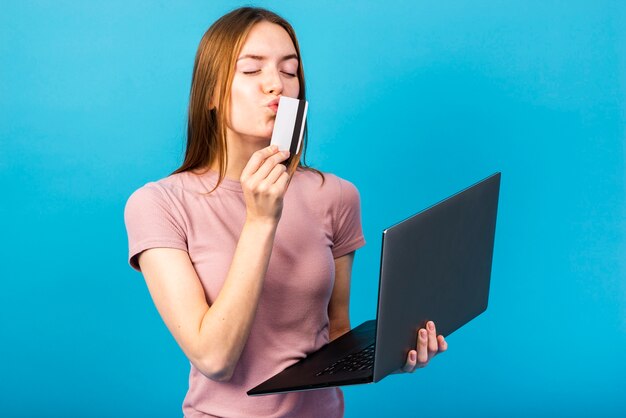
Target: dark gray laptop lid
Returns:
[[435, 265]]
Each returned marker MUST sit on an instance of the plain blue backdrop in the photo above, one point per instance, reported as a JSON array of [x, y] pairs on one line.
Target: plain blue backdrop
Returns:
[[411, 101]]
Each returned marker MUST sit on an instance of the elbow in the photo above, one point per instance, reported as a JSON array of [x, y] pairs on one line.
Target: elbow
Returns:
[[219, 375], [214, 369]]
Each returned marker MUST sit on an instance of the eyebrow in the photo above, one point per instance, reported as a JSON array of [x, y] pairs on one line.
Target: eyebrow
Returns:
[[261, 57]]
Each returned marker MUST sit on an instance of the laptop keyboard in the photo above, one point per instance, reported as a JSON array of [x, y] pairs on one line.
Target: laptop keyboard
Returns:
[[360, 360]]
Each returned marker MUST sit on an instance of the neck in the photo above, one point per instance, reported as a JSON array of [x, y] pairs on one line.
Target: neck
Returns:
[[240, 149]]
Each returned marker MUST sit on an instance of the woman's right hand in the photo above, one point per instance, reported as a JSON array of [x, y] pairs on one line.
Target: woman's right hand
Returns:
[[264, 181]]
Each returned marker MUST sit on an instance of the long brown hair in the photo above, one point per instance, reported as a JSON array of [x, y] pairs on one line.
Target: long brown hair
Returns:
[[209, 99]]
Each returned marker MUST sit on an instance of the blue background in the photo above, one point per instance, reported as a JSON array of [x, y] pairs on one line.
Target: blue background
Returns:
[[411, 101]]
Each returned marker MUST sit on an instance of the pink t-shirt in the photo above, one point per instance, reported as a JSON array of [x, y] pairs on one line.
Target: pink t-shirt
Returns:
[[318, 223]]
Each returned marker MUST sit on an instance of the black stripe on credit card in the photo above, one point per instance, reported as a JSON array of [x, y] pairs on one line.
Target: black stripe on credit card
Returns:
[[295, 137]]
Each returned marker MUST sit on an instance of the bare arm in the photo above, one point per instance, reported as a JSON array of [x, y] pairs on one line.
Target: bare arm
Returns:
[[213, 337], [339, 306]]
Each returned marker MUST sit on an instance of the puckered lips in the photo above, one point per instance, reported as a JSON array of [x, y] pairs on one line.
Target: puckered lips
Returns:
[[273, 105]]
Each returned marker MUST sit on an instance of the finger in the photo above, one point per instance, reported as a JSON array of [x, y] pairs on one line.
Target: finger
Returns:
[[256, 160], [443, 344], [268, 165], [433, 346], [275, 172], [422, 348], [411, 361], [283, 182]]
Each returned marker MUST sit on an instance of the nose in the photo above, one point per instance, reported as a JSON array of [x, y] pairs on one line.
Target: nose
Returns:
[[272, 83]]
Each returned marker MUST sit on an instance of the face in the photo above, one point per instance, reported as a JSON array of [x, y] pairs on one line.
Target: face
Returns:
[[265, 70]]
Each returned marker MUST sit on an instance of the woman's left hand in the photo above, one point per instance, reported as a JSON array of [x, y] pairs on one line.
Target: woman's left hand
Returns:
[[429, 344]]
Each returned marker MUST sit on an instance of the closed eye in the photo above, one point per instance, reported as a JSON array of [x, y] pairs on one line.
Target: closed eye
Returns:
[[251, 72], [288, 74]]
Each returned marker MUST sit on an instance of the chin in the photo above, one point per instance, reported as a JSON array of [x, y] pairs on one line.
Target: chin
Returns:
[[267, 133]]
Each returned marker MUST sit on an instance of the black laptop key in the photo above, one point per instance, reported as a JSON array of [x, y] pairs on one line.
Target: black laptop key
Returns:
[[360, 360]]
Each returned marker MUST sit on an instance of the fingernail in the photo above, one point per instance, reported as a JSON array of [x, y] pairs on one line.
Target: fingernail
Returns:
[[423, 333], [431, 325], [412, 356]]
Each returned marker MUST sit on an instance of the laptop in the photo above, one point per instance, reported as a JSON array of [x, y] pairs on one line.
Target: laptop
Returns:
[[435, 265]]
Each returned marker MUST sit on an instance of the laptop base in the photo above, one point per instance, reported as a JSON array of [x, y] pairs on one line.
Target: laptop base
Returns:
[[303, 375]]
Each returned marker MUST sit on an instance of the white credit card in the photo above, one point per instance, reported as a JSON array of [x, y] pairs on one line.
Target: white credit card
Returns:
[[289, 124]]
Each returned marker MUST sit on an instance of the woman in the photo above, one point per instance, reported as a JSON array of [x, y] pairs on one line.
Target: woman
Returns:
[[249, 261]]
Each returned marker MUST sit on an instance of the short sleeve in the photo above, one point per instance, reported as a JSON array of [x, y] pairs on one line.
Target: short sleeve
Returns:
[[152, 222], [347, 230]]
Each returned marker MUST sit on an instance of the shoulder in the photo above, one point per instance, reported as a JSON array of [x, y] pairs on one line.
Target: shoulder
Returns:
[[160, 195], [337, 200], [331, 195], [343, 192], [153, 218], [170, 186], [329, 185], [151, 192]]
